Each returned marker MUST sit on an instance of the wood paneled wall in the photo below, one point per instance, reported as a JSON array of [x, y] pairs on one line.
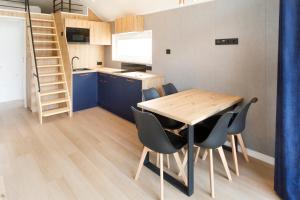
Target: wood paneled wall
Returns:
[[89, 55], [129, 24]]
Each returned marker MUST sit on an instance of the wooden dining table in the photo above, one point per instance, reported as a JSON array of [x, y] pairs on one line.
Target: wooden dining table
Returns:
[[189, 107]]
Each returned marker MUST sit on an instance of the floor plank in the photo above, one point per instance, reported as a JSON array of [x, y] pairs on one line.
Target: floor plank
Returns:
[[94, 155]]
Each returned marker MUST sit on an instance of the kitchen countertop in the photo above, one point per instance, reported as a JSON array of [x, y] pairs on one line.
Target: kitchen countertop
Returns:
[[114, 71]]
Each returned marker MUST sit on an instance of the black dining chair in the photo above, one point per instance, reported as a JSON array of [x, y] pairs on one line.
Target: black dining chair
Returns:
[[156, 139], [236, 127], [169, 89], [211, 139], [167, 123]]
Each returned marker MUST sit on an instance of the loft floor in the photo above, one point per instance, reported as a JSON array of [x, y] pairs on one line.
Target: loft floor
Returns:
[[94, 155]]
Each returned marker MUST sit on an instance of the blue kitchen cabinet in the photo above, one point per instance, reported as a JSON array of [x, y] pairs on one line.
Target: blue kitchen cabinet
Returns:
[[103, 90], [85, 91], [117, 94], [108, 92], [131, 91]]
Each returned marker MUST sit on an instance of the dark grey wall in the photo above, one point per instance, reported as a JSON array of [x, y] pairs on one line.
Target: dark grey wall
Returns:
[[248, 70]]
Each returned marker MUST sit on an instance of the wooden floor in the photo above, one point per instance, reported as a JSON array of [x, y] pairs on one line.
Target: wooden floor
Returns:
[[94, 155]]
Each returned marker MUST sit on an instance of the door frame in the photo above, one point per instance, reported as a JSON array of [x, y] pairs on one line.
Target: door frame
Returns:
[[24, 71]]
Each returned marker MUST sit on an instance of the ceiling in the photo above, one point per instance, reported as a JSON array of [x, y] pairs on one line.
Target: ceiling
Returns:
[[111, 9]]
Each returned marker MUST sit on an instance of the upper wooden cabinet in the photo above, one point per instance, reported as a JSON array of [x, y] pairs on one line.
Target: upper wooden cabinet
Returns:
[[75, 23], [129, 24], [100, 32]]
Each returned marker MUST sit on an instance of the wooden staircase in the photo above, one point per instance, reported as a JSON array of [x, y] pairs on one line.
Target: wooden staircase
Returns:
[[51, 87]]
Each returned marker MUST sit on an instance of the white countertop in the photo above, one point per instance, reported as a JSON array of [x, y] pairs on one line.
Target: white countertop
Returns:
[[113, 71]]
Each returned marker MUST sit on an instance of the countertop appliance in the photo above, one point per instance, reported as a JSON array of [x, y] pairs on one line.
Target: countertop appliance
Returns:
[[130, 67], [78, 35]]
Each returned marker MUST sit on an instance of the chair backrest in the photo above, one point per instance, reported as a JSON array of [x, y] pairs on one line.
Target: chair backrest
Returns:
[[238, 124], [149, 94], [151, 133], [169, 89], [218, 134]]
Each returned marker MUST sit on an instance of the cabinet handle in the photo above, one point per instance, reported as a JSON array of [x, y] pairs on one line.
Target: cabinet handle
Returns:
[[83, 74]]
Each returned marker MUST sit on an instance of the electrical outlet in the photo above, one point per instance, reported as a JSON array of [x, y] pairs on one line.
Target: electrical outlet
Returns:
[[229, 41], [168, 51], [99, 63]]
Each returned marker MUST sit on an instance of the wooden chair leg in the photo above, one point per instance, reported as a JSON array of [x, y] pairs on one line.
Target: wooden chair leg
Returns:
[[204, 155], [157, 159], [224, 161], [168, 161], [180, 166], [161, 176], [143, 156], [244, 150], [197, 154], [234, 156], [183, 150], [184, 162], [211, 173]]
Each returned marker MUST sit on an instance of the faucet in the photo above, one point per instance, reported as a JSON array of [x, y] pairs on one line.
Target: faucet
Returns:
[[75, 57]]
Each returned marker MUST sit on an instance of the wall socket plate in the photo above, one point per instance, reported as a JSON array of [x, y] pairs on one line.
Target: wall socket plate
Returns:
[[227, 41]]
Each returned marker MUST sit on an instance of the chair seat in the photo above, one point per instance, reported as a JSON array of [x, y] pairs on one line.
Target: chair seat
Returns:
[[177, 141], [200, 133], [211, 122]]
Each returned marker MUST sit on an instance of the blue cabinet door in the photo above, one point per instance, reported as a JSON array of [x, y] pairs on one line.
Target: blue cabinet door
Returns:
[[84, 91], [131, 92], [117, 94], [114, 94], [102, 90]]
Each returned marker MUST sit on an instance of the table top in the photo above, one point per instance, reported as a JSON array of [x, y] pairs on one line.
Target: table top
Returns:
[[190, 106]]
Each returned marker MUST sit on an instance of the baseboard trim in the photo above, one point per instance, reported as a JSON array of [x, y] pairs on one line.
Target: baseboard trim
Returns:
[[259, 156]]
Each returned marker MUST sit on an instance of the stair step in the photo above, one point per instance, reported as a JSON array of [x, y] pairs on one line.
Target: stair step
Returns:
[[48, 57], [51, 74], [43, 27], [46, 66], [54, 101], [42, 20], [43, 15], [55, 111], [43, 34], [51, 92], [45, 41], [52, 83], [47, 49]]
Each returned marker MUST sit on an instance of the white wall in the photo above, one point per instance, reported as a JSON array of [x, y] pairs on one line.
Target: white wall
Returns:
[[12, 59]]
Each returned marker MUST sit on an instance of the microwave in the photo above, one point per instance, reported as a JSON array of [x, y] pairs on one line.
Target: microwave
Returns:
[[78, 35]]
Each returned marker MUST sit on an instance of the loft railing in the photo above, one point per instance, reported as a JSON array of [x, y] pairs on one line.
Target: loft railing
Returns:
[[13, 4], [67, 6], [36, 74]]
